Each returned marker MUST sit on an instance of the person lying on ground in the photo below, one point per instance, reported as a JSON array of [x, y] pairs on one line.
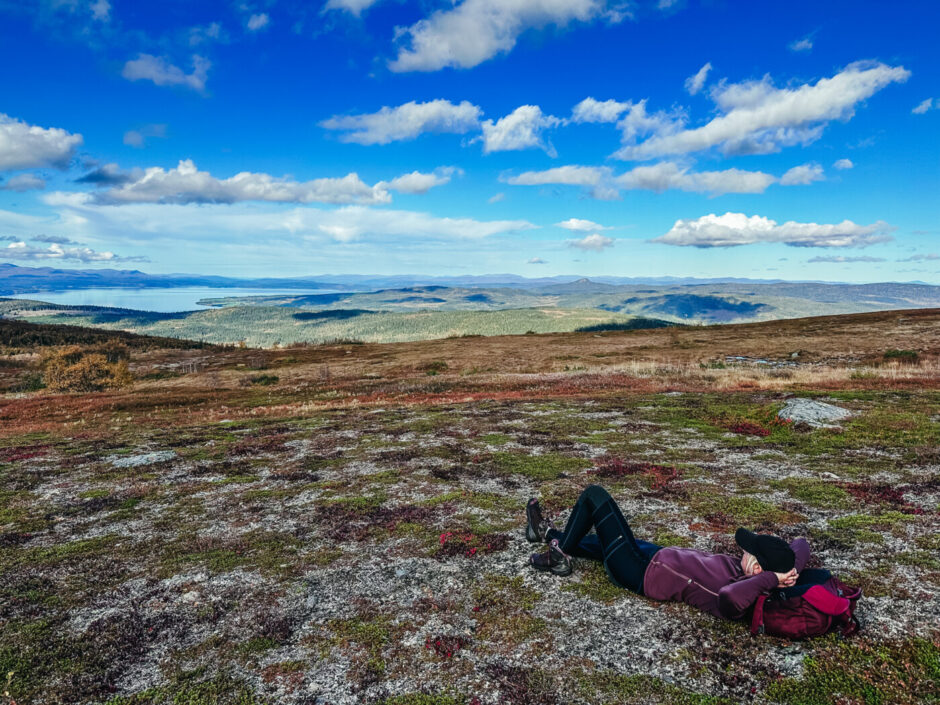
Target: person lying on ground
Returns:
[[719, 584]]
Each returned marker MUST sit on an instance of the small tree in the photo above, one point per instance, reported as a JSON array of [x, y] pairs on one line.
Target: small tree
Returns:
[[72, 369]]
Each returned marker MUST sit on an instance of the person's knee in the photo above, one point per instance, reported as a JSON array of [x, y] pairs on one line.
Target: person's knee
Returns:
[[597, 494]]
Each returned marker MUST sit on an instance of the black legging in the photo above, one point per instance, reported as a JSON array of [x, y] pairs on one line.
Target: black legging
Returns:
[[625, 558]]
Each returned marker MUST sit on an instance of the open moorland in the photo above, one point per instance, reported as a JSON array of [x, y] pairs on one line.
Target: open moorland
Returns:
[[344, 523]]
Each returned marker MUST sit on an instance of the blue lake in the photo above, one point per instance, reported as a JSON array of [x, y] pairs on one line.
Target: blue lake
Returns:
[[164, 300]]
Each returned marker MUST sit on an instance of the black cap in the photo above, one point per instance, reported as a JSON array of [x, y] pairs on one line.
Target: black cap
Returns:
[[772, 552]]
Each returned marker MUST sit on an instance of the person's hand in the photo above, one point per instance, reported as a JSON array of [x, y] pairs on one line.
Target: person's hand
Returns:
[[787, 579]]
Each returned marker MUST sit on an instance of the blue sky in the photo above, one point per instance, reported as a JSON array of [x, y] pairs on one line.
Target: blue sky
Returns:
[[793, 140]]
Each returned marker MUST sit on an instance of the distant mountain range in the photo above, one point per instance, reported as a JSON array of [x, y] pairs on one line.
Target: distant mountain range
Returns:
[[15, 279]]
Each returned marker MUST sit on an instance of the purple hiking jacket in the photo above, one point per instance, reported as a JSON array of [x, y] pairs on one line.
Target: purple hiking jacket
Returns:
[[713, 582]]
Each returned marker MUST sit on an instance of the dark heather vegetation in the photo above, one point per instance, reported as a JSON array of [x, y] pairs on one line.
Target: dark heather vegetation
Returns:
[[344, 523]]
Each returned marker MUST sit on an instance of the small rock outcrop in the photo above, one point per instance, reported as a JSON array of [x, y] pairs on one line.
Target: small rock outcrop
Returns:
[[815, 413]]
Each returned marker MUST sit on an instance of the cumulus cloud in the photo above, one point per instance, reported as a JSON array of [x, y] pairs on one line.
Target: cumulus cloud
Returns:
[[406, 122], [25, 146], [418, 182], [567, 175], [476, 30], [257, 22], [496, 197], [591, 110], [354, 7], [733, 229], [668, 175], [186, 184], [804, 44], [693, 84], [536, 260], [23, 251], [138, 138], [758, 117], [802, 175], [23, 182], [592, 243], [839, 259], [580, 225], [843, 164], [603, 184], [147, 67], [521, 129], [923, 106]]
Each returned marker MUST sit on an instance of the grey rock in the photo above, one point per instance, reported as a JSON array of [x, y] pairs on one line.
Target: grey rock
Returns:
[[133, 461], [815, 413]]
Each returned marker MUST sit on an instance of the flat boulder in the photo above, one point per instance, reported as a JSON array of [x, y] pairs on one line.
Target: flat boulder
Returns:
[[815, 413], [135, 461]]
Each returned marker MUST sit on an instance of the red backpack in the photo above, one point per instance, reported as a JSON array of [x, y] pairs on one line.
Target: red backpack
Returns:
[[819, 603]]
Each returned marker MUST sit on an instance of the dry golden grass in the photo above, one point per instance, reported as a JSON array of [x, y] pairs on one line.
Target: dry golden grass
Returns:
[[192, 386]]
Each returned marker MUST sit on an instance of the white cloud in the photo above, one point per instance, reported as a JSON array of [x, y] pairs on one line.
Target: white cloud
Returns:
[[804, 44], [758, 117], [476, 30], [101, 10], [668, 175], [138, 138], [79, 214], [406, 122], [354, 7], [521, 129], [592, 243], [23, 182], [843, 164], [206, 33], [839, 259], [147, 67], [732, 229], [566, 175], [186, 184], [579, 225], [802, 175], [496, 197], [22, 251], [693, 84], [923, 106], [258, 22], [417, 182], [590, 110], [663, 176], [25, 146], [536, 260]]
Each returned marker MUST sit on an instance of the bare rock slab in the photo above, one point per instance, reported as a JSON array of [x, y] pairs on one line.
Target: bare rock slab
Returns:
[[134, 461], [815, 413]]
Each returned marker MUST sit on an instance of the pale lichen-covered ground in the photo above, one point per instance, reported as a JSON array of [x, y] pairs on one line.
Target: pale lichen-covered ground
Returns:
[[364, 555], [345, 525]]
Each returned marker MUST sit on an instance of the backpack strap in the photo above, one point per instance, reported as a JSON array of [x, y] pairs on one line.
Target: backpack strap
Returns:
[[757, 619]]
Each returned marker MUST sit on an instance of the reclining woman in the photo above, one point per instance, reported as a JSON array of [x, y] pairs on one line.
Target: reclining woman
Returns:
[[720, 584]]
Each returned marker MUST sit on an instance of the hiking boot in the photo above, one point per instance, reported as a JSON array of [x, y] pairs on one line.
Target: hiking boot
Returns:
[[536, 526], [554, 560]]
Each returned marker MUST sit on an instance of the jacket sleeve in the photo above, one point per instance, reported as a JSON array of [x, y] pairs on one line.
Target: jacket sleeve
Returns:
[[801, 549], [735, 599]]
